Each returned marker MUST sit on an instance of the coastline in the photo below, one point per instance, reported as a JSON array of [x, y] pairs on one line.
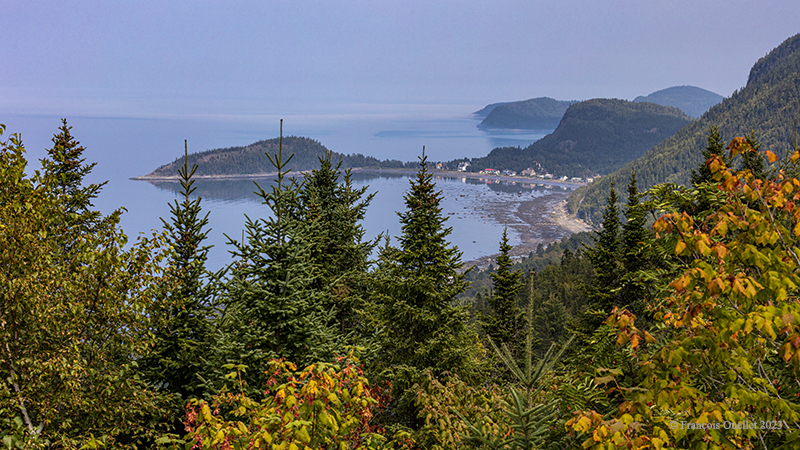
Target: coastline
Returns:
[[541, 220], [524, 181]]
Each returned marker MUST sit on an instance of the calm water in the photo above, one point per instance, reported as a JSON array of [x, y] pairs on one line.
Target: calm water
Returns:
[[129, 147]]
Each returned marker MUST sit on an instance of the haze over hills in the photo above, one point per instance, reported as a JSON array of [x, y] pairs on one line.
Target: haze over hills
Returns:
[[594, 136], [769, 104], [250, 159], [692, 100], [541, 113]]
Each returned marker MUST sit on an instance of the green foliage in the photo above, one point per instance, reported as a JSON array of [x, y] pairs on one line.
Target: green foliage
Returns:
[[324, 406], [332, 212], [276, 299], [606, 260], [74, 320], [65, 163], [528, 412], [182, 323], [726, 329], [420, 324], [769, 105], [448, 407], [503, 323]]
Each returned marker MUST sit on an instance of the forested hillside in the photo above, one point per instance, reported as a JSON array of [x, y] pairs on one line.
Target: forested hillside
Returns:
[[769, 105], [541, 113], [692, 100], [594, 137], [250, 159], [483, 112]]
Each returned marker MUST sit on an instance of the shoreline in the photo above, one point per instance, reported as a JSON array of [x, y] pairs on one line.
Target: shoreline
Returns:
[[444, 173], [541, 220]]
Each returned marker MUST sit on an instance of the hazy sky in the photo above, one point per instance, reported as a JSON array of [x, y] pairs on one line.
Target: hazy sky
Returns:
[[154, 58]]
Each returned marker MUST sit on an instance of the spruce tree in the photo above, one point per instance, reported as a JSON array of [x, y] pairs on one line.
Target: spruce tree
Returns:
[[183, 330], [275, 307], [66, 164], [633, 230], [333, 212], [753, 160], [422, 326], [502, 324], [635, 253], [606, 260], [702, 174]]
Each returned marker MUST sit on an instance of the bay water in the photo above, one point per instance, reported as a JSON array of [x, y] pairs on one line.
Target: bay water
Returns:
[[125, 147]]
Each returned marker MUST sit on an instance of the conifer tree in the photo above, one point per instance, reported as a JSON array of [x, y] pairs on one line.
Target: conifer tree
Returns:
[[633, 230], [754, 160], [333, 212], [606, 260], [183, 329], [66, 164], [715, 147], [275, 306], [503, 323], [422, 327]]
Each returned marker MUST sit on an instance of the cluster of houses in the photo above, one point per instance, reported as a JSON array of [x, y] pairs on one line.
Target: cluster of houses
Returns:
[[529, 172]]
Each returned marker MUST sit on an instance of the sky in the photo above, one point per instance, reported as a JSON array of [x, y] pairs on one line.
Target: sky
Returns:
[[181, 58]]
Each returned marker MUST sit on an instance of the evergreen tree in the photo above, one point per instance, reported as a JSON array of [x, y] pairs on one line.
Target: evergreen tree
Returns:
[[275, 305], [635, 252], [422, 327], [66, 164], [607, 263], [503, 323], [183, 329], [333, 212], [753, 160], [702, 174]]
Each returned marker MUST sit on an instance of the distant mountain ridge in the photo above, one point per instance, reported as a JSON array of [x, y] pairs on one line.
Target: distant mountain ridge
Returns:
[[543, 113], [483, 112], [692, 100], [251, 159], [768, 104], [594, 136]]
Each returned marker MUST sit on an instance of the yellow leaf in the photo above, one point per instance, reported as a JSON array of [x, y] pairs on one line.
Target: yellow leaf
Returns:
[[771, 157], [583, 425], [680, 247]]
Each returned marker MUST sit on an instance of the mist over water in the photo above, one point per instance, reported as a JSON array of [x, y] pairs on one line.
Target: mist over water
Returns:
[[128, 147]]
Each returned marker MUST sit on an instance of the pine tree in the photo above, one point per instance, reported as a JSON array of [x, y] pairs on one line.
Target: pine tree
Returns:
[[183, 330], [503, 323]]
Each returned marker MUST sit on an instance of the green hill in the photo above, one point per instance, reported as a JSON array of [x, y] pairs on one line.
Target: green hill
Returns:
[[692, 100], [769, 104], [251, 159], [594, 136], [541, 113]]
